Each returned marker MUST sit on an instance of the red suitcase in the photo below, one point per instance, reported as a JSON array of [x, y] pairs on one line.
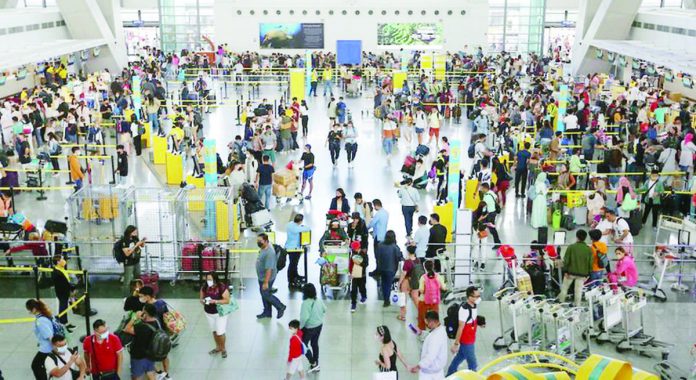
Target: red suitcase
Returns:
[[151, 279], [189, 257]]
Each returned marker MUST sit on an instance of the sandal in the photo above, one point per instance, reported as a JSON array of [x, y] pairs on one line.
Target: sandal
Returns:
[[213, 351], [224, 354], [403, 319]]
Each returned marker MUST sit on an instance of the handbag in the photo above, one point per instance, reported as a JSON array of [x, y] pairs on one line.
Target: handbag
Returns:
[[629, 203], [229, 308], [174, 321], [391, 375]]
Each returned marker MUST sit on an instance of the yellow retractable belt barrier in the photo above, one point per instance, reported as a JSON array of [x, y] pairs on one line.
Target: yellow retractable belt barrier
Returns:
[[32, 319], [619, 174], [24, 188], [31, 269]]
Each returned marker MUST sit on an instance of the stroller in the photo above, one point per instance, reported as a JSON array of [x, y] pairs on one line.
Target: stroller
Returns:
[[255, 215]]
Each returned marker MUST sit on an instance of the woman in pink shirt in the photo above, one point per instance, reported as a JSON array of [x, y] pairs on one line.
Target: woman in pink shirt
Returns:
[[626, 273]]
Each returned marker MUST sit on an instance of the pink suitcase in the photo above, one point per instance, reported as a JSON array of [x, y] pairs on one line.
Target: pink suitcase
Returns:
[[209, 258], [189, 259], [151, 279]]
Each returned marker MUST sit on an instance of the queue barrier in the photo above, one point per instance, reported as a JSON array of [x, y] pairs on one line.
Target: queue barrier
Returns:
[[31, 319], [594, 174]]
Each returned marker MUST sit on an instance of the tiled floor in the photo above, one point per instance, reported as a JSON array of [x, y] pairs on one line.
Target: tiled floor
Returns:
[[258, 349]]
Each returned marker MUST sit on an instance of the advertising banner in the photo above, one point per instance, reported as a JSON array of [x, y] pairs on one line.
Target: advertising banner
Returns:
[[291, 35], [409, 34]]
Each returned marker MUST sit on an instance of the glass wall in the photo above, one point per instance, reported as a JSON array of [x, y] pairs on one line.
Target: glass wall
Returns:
[[183, 23]]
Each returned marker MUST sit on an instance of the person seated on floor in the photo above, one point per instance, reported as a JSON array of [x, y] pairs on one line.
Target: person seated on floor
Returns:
[[334, 234], [625, 273]]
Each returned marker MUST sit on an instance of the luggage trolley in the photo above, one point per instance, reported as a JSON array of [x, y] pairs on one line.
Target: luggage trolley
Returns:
[[636, 339], [568, 323], [334, 272], [600, 299], [521, 311]]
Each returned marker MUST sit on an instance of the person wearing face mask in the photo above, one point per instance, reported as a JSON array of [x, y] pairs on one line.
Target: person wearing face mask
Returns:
[[64, 287], [651, 192], [103, 353], [266, 270], [388, 352], [295, 351], [333, 234], [44, 329], [127, 250], [308, 172], [433, 359], [62, 363], [464, 343], [215, 292]]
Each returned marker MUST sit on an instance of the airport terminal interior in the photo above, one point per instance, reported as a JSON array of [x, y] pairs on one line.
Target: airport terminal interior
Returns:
[[230, 189]]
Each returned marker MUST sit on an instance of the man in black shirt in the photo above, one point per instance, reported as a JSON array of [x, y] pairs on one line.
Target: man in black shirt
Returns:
[[436, 241], [308, 173], [141, 365], [63, 288], [121, 164], [264, 180]]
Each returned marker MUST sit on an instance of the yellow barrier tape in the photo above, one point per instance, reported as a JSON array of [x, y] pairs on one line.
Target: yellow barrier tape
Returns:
[[619, 174], [32, 319], [24, 188], [41, 269]]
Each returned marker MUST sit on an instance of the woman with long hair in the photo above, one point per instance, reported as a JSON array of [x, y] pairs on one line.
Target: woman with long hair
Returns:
[[312, 313], [128, 248], [44, 331], [430, 285], [388, 352], [215, 292], [339, 202]]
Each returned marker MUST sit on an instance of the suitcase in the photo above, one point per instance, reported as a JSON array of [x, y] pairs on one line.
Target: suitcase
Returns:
[[543, 235], [56, 227], [208, 259], [538, 279], [580, 215], [151, 279], [11, 179], [635, 222], [422, 150], [261, 218], [189, 257], [568, 223]]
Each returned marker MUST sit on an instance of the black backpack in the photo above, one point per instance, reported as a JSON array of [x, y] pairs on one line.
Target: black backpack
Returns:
[[452, 320], [160, 344], [118, 252], [281, 255], [471, 152]]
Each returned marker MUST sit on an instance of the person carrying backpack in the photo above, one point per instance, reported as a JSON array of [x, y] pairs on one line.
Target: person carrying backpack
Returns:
[[127, 251], [600, 260], [150, 343], [45, 327], [430, 286]]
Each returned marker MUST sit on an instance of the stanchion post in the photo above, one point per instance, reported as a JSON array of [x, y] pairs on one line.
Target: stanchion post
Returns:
[[239, 115], [42, 193], [113, 171], [35, 269], [227, 264], [88, 304], [199, 251], [305, 250]]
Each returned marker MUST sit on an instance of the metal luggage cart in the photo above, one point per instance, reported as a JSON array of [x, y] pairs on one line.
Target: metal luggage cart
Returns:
[[598, 297], [521, 309], [353, 87], [336, 253], [568, 323], [635, 339]]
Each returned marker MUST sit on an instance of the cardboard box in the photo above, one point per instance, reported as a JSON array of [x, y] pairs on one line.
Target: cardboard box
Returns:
[[284, 177]]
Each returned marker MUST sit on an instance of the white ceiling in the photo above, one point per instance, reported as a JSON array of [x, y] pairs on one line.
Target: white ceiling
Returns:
[[30, 53], [683, 60]]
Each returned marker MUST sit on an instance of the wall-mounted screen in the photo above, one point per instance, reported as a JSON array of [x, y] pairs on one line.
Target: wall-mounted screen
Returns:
[[291, 35], [410, 34]]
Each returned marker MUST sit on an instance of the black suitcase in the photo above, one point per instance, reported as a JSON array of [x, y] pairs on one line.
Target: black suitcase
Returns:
[[538, 279], [543, 235], [56, 227]]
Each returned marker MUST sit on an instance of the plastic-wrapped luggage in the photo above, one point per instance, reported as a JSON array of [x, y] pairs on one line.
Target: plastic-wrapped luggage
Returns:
[[151, 279]]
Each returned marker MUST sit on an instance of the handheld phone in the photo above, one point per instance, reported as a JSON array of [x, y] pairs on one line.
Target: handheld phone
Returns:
[[413, 329]]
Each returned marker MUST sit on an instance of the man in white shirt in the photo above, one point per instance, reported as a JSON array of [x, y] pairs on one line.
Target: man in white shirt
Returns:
[[61, 363], [409, 203], [622, 231], [421, 236], [434, 352]]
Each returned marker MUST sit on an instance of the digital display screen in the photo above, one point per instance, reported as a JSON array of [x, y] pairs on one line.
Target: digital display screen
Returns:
[[291, 35], [409, 34]]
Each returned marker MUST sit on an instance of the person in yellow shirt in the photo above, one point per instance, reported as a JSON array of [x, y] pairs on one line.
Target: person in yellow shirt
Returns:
[[327, 76], [313, 82], [76, 173], [63, 74]]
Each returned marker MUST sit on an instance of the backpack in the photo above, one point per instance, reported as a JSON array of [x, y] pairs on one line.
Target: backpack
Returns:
[[432, 291], [281, 255], [452, 319], [471, 152], [497, 204], [416, 273], [160, 344], [601, 257], [118, 252], [58, 328]]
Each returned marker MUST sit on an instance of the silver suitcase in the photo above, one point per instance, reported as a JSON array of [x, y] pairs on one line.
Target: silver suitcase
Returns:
[[580, 215], [261, 218]]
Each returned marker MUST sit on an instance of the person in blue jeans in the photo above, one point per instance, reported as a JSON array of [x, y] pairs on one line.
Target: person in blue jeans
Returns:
[[388, 256], [264, 180], [266, 271], [464, 346]]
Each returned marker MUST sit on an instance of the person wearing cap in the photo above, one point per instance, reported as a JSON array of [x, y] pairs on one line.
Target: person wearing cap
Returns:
[[650, 192], [358, 274], [308, 172]]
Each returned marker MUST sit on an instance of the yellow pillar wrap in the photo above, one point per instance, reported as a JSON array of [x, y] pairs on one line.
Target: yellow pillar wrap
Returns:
[[222, 220], [236, 228], [199, 184], [472, 199], [297, 84], [159, 150], [398, 78], [440, 66], [174, 168], [642, 375], [145, 138], [446, 213], [515, 372], [465, 375], [426, 62], [602, 367]]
